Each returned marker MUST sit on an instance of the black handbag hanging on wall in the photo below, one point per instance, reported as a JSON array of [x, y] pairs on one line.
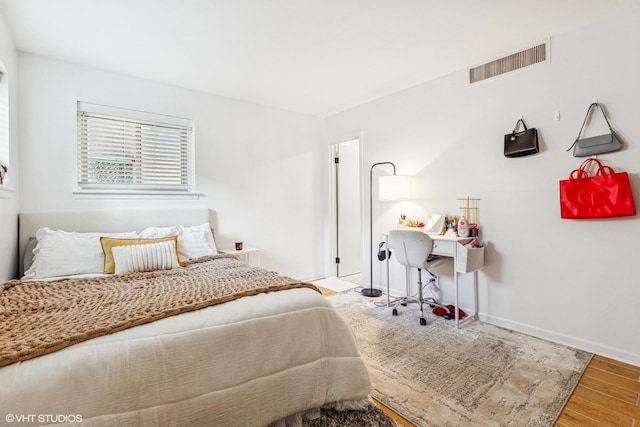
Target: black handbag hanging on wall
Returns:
[[521, 143], [594, 145]]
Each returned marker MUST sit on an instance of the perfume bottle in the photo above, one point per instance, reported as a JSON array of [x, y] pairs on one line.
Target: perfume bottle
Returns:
[[463, 227]]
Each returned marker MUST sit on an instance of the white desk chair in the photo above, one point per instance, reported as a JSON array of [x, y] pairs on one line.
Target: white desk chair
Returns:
[[412, 249]]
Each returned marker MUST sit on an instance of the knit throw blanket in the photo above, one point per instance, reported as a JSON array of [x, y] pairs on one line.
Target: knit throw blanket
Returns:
[[37, 318]]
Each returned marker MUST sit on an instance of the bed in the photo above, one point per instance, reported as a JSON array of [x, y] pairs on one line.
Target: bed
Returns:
[[271, 355]]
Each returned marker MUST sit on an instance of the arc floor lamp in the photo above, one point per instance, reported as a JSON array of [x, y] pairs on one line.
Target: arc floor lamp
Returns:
[[390, 187]]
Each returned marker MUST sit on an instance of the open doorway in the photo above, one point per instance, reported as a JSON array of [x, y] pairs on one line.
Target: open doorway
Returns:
[[347, 212]]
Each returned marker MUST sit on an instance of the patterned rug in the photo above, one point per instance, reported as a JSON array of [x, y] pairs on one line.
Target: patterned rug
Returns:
[[479, 375]]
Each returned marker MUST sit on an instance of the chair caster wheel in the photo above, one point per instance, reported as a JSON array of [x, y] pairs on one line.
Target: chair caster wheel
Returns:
[[447, 316], [404, 304], [394, 312], [423, 321]]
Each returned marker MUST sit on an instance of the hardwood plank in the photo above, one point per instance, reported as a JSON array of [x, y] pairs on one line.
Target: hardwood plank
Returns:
[[570, 418], [614, 379], [599, 413], [609, 402], [623, 394], [631, 368], [628, 371]]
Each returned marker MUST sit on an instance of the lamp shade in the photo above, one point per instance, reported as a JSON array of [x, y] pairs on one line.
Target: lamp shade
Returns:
[[394, 187]]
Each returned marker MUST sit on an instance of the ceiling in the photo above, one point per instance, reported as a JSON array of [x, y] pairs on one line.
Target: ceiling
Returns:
[[315, 57]]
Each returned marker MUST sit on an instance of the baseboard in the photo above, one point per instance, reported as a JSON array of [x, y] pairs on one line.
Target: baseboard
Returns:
[[586, 345]]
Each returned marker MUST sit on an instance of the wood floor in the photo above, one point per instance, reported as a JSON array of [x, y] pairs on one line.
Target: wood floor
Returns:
[[608, 394]]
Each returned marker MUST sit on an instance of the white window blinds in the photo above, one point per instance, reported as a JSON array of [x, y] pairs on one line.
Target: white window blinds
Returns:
[[126, 150]]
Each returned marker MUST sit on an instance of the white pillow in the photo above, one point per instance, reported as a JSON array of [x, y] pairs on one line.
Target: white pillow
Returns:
[[193, 242], [156, 232], [197, 241], [148, 257], [62, 253]]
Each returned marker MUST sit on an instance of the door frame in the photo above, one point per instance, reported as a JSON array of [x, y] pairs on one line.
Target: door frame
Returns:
[[334, 226]]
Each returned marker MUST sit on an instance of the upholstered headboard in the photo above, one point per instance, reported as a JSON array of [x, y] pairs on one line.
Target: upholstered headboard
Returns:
[[108, 221]]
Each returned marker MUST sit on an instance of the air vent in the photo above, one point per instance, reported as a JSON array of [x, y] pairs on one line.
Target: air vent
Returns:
[[509, 63]]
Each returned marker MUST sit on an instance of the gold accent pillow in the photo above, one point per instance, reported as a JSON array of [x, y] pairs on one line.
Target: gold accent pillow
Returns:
[[108, 243]]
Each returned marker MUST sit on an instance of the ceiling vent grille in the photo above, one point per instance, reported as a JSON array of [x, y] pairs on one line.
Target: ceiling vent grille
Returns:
[[509, 63]]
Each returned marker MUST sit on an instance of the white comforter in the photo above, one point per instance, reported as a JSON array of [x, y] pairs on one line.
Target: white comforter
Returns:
[[250, 362]]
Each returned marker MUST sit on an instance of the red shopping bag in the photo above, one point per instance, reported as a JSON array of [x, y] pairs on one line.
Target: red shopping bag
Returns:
[[602, 195]]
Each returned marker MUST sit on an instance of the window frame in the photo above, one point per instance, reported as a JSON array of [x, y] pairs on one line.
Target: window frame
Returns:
[[141, 186], [5, 149]]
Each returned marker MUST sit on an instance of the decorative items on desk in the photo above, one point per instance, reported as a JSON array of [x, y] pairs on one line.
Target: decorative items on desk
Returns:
[[459, 227], [447, 225], [404, 222]]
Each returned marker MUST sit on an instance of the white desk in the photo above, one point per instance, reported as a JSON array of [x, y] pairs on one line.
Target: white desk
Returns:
[[464, 261]]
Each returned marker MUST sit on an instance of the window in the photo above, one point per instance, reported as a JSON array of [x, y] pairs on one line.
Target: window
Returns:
[[123, 151], [4, 116]]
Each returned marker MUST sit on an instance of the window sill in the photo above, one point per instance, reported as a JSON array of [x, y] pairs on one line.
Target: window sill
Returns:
[[140, 195], [6, 192]]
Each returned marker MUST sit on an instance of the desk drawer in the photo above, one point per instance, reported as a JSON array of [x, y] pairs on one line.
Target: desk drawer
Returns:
[[443, 247]]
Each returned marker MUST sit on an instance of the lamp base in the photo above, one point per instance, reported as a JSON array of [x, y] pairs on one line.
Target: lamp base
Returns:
[[371, 292]]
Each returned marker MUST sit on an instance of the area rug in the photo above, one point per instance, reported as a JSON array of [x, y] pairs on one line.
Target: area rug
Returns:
[[479, 375], [372, 417]]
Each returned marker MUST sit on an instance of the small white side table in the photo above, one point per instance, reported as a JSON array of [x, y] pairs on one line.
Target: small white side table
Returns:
[[250, 255]]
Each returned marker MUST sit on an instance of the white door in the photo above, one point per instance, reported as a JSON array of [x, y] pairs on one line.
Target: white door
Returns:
[[347, 221]]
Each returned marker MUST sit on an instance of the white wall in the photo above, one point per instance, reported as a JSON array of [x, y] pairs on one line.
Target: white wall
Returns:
[[259, 168], [571, 281], [9, 199]]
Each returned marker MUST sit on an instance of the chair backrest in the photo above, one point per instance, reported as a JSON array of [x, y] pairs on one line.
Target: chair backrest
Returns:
[[412, 248]]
